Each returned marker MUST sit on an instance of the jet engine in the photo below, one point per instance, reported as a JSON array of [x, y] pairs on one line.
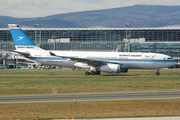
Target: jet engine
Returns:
[[114, 68]]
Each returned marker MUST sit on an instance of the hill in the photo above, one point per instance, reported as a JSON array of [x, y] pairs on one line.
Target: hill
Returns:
[[137, 16]]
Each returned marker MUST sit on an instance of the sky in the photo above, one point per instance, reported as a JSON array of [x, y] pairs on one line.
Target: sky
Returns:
[[42, 8]]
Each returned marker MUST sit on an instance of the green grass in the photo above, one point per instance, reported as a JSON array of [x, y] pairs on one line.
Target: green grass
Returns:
[[19, 85], [134, 80]]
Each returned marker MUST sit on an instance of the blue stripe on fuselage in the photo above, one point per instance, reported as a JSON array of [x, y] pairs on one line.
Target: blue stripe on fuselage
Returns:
[[138, 60]]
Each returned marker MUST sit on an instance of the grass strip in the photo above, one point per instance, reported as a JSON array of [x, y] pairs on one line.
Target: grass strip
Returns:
[[21, 85], [90, 109]]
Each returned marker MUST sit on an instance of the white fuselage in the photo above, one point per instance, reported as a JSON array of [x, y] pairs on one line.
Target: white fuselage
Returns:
[[131, 60]]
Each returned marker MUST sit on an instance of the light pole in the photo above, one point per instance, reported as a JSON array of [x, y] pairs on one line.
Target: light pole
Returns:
[[54, 38], [39, 42], [128, 36]]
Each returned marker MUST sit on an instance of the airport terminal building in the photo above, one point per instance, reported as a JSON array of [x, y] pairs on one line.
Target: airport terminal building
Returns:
[[158, 40]]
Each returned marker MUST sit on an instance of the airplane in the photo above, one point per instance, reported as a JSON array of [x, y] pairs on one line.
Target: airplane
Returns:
[[96, 62]]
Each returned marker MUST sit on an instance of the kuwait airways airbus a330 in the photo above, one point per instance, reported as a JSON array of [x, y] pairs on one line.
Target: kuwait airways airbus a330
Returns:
[[111, 62]]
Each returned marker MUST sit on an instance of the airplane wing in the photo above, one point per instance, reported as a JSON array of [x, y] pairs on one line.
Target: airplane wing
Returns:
[[91, 62], [25, 54]]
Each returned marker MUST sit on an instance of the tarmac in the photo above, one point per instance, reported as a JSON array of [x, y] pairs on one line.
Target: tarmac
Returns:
[[90, 97]]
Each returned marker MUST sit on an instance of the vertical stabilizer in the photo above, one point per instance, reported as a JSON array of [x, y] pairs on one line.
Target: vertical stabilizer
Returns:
[[21, 40]]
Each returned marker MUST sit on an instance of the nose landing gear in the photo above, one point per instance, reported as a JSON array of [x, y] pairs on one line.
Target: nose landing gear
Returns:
[[157, 73]]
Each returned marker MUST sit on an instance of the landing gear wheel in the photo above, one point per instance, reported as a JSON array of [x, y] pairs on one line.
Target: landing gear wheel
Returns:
[[98, 72], [157, 73], [87, 73], [92, 73]]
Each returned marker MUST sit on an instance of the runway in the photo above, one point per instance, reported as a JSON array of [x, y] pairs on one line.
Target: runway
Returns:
[[90, 97]]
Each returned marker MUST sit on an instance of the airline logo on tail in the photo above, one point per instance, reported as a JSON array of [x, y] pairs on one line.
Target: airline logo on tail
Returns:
[[20, 38]]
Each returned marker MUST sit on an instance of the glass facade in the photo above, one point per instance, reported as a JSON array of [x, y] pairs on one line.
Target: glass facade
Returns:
[[172, 49], [86, 46], [159, 40]]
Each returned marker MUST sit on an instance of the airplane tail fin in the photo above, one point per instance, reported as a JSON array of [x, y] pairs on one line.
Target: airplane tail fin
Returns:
[[21, 40]]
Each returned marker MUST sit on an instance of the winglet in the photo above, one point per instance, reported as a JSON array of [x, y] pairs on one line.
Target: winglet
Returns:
[[52, 54]]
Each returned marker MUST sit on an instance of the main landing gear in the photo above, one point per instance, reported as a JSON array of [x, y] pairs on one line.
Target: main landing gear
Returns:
[[93, 72], [157, 73]]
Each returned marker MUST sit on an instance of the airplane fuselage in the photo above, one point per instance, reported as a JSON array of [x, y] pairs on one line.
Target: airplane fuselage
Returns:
[[131, 60]]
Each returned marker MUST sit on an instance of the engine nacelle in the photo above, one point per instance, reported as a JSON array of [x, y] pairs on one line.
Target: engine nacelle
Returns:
[[114, 68]]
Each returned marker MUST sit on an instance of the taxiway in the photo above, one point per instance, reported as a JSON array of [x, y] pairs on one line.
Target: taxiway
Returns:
[[90, 97]]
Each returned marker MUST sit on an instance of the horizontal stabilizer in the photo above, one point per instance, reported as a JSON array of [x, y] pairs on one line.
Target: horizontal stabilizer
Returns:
[[25, 54]]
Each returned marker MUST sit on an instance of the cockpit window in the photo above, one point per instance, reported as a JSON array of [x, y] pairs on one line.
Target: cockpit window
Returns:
[[168, 58]]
